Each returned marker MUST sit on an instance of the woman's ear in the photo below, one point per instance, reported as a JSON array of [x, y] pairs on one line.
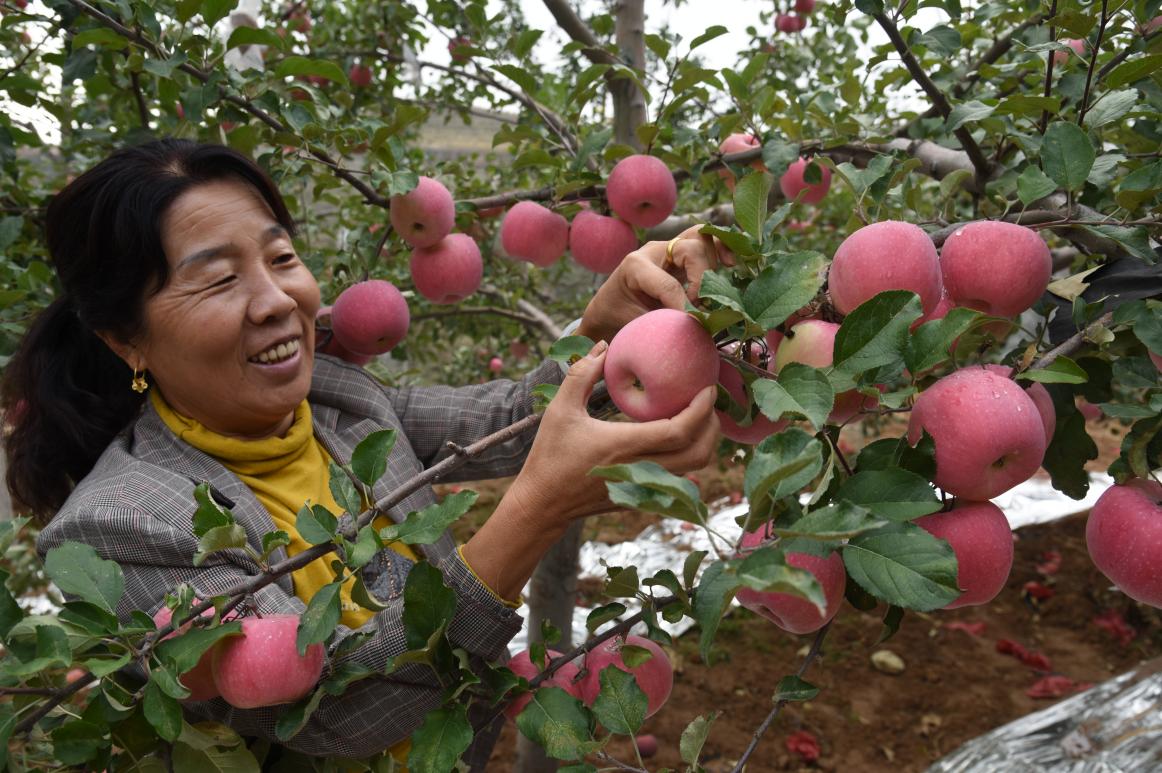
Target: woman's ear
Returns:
[[126, 350]]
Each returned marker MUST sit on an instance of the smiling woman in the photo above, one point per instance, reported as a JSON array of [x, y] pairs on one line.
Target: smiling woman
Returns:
[[181, 350]]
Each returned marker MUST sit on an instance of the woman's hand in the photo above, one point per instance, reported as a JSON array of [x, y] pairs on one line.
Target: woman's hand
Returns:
[[644, 282]]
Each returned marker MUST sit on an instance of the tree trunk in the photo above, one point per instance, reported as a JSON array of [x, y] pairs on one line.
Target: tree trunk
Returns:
[[629, 104]]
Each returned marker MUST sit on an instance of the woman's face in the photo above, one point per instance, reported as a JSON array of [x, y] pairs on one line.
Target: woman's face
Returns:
[[229, 340]]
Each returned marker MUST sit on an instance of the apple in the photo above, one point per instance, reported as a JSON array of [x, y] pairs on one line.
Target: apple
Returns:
[[327, 343], [1124, 538], [773, 338], [641, 190], [655, 676], [448, 271], [458, 46], [199, 680], [943, 306], [599, 243], [793, 183], [889, 255], [496, 365], [518, 349], [760, 427], [359, 75], [425, 214], [370, 317], [995, 267], [1087, 409], [1156, 359], [647, 745], [736, 143], [658, 362], [534, 233], [1062, 57], [804, 6], [262, 666], [989, 434], [793, 613], [982, 540], [1040, 397], [564, 677], [789, 22], [812, 342]]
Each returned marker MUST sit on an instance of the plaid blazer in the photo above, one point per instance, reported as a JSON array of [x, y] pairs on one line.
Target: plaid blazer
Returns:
[[136, 508]]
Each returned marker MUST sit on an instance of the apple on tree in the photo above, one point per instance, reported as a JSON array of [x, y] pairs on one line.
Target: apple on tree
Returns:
[[641, 190], [889, 255], [804, 6], [736, 143], [448, 271], [370, 317], [262, 667], [564, 677], [760, 426], [790, 612], [199, 680], [359, 75], [534, 233], [1040, 397], [1062, 57], [658, 362], [982, 540], [812, 342], [600, 243], [995, 267], [655, 676], [496, 365], [425, 214], [794, 183], [790, 22], [1124, 538]]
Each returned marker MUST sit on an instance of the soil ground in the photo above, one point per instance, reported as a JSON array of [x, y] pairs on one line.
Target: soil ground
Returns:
[[955, 685]]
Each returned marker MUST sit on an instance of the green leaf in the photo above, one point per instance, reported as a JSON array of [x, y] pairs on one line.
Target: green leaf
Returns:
[[569, 349], [603, 614], [1068, 451], [892, 619], [214, 11], [78, 571], [711, 599], [717, 286], [163, 712], [295, 717], [793, 688], [301, 66], [750, 202], [621, 705], [767, 570], [428, 525], [558, 723], [1133, 71], [252, 36], [10, 611], [875, 334], [862, 179], [931, 344], [904, 565], [837, 521], [1134, 240], [343, 490], [694, 738], [219, 538], [783, 288], [274, 540], [893, 494], [1067, 155], [369, 460], [209, 514], [801, 391], [519, 75], [782, 464], [438, 743], [778, 155], [428, 604], [213, 759], [73, 743], [182, 652], [1109, 107], [649, 486], [322, 615], [1028, 105], [690, 567], [316, 524], [1033, 185], [711, 33], [965, 112], [1061, 371]]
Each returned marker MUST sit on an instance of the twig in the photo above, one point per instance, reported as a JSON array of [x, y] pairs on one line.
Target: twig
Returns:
[[1072, 344], [477, 310], [813, 653], [1101, 29], [142, 110], [1044, 123], [1124, 54]]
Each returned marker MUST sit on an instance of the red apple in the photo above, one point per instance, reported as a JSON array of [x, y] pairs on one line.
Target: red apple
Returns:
[[448, 271], [496, 365], [1062, 57], [262, 667], [1090, 411], [199, 680], [789, 22], [1156, 359], [804, 6], [736, 143], [982, 540], [995, 267], [327, 343], [564, 677], [989, 434], [658, 362], [360, 76], [641, 190], [1124, 537], [534, 233], [889, 255], [793, 183], [599, 243], [760, 427], [647, 746], [812, 342], [655, 676], [370, 317], [458, 48], [518, 349], [773, 339], [1040, 397], [793, 613], [425, 214]]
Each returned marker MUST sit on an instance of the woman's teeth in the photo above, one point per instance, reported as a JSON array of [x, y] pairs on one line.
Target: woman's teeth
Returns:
[[277, 353]]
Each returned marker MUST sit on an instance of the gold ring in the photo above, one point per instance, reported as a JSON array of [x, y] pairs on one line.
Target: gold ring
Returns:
[[669, 262]]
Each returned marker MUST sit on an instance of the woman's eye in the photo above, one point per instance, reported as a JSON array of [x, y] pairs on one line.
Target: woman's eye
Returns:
[[287, 257], [223, 281]]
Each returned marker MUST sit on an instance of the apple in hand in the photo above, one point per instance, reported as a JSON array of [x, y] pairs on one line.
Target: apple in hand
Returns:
[[564, 677], [982, 540], [262, 667], [736, 143], [794, 182], [199, 680], [658, 362], [600, 243], [889, 255], [534, 233], [989, 434], [425, 214], [641, 190], [448, 271], [370, 317], [655, 676], [995, 267], [793, 613], [760, 426], [812, 342], [1124, 538]]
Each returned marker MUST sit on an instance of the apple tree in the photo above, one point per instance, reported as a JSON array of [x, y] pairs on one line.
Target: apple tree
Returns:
[[903, 193]]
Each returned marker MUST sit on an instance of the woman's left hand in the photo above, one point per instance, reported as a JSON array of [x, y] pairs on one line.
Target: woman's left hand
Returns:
[[646, 280]]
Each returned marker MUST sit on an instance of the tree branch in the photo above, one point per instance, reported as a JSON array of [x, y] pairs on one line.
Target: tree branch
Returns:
[[477, 310], [1101, 29], [1044, 123]]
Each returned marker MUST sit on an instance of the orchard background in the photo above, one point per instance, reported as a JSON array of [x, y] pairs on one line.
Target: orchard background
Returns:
[[933, 113]]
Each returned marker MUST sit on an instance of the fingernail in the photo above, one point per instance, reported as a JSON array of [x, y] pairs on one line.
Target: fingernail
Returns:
[[598, 348]]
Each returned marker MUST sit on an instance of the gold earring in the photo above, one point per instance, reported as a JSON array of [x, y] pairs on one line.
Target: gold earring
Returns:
[[139, 383]]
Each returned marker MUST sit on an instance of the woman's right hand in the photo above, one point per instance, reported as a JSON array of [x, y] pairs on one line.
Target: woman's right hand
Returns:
[[555, 480]]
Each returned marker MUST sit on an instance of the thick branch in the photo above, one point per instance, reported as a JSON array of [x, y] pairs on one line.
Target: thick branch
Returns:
[[1073, 344], [477, 310], [546, 323]]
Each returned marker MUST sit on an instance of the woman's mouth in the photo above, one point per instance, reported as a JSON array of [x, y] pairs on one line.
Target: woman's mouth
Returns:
[[277, 354]]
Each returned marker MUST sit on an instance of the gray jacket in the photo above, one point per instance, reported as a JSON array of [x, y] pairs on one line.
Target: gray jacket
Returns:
[[136, 506]]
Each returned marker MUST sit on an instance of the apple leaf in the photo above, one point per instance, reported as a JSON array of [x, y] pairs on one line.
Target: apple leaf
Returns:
[[889, 453], [344, 490], [739, 243], [903, 565], [316, 524], [1033, 185], [801, 390], [163, 712], [369, 461], [1061, 371], [767, 570], [183, 652], [1109, 107], [778, 155], [837, 521], [650, 487], [426, 526], [603, 614], [711, 598], [931, 344], [694, 738], [893, 493], [558, 723], [251, 36], [428, 604], [1133, 71], [716, 286], [794, 688], [1068, 451], [321, 617], [873, 335], [750, 202], [212, 759], [1134, 240], [569, 349], [621, 705], [367, 544], [964, 112], [10, 611], [73, 743], [1067, 154], [782, 464], [622, 581], [438, 743], [77, 570], [209, 513], [784, 287], [301, 65]]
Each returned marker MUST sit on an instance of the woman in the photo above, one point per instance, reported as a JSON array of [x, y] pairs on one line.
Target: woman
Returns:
[[180, 280]]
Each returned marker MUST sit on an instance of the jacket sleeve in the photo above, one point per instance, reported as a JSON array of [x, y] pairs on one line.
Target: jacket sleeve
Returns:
[[373, 714]]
